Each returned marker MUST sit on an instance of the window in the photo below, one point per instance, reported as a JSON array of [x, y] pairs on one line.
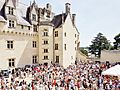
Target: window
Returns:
[[34, 44], [65, 46], [75, 35], [11, 24], [10, 44], [71, 57], [33, 17], [22, 26], [45, 50], [45, 33], [45, 57], [56, 33], [10, 10], [34, 59], [45, 41], [75, 48], [56, 46], [28, 27], [75, 42], [57, 59], [65, 34], [11, 62], [34, 28]]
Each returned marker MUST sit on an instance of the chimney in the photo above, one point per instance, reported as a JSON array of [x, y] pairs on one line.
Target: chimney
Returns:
[[48, 7], [73, 18], [67, 8]]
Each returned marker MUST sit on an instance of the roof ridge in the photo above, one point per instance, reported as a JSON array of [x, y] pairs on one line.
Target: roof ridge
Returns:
[[23, 4]]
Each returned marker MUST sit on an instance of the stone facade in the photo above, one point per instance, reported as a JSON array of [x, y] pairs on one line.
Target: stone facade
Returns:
[[110, 55], [31, 35]]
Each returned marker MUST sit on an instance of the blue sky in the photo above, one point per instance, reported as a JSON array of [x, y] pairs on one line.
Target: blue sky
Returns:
[[93, 16]]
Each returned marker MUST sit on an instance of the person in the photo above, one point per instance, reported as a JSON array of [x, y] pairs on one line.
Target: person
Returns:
[[33, 85], [78, 84], [54, 82]]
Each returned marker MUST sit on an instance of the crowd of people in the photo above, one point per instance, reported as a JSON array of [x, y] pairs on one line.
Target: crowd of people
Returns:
[[79, 76]]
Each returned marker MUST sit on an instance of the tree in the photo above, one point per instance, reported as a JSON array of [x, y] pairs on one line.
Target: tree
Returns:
[[99, 43], [84, 51], [117, 41]]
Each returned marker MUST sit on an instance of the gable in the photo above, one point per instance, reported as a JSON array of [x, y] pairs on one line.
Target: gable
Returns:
[[68, 21], [33, 11], [30, 11], [10, 3]]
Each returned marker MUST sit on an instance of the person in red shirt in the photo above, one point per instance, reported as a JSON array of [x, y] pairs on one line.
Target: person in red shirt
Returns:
[[32, 85], [54, 82]]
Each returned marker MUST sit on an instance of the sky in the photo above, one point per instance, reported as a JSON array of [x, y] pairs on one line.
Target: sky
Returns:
[[92, 16]]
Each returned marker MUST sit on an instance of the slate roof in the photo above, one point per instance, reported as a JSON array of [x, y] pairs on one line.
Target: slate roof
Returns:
[[1, 4], [22, 21], [2, 11], [22, 14], [2, 19], [59, 19]]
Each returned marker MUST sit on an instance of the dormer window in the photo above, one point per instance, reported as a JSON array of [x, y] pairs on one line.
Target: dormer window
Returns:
[[10, 11], [11, 24], [33, 17]]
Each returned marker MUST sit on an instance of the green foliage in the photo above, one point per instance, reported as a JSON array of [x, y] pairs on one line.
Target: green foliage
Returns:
[[84, 51], [117, 41], [111, 47], [99, 43]]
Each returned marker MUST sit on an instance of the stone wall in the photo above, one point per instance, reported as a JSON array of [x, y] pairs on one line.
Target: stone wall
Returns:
[[111, 56]]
